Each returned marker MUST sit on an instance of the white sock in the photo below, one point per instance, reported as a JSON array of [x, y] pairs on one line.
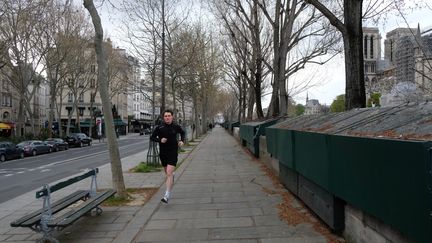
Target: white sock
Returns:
[[167, 194]]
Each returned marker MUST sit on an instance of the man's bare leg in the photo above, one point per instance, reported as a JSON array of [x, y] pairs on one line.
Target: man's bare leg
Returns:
[[170, 177], [169, 172]]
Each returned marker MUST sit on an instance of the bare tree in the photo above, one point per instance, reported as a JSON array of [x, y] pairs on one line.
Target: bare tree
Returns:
[[249, 39], [144, 26], [347, 17], [299, 37], [80, 70], [66, 26], [116, 167], [24, 46]]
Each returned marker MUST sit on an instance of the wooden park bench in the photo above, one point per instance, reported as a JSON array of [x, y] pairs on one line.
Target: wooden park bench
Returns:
[[58, 215]]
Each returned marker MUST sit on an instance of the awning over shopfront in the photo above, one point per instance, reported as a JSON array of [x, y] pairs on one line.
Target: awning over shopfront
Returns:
[[4, 126], [119, 122], [87, 123]]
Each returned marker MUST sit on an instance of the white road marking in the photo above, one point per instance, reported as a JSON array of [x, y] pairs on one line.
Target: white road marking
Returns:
[[46, 170]]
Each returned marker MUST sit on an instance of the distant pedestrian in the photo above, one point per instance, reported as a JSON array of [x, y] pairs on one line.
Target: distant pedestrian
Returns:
[[193, 130], [166, 135]]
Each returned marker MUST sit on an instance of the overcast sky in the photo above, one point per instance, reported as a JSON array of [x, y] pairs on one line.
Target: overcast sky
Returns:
[[329, 78]]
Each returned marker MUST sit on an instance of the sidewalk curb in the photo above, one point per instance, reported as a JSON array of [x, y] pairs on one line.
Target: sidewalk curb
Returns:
[[134, 227]]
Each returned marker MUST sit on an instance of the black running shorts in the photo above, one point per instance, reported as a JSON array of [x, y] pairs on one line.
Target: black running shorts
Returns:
[[168, 157]]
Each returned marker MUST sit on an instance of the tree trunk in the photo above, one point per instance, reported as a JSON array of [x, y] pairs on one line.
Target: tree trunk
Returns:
[[58, 108], [283, 93], [77, 120], [258, 77], [352, 34], [69, 120], [51, 113], [251, 102], [196, 118], [354, 69], [116, 167], [21, 118], [258, 60], [173, 97], [244, 98], [274, 102]]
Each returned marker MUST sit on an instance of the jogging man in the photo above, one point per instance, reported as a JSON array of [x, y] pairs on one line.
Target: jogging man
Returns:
[[166, 135]]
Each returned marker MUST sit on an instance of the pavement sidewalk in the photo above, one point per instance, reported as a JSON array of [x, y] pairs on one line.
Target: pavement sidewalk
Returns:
[[221, 194]]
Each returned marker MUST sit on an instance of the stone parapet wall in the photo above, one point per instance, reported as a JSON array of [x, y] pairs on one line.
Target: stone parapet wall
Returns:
[[361, 227]]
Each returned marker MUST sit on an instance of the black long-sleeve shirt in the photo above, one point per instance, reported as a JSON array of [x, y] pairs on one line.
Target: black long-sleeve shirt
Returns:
[[168, 131]]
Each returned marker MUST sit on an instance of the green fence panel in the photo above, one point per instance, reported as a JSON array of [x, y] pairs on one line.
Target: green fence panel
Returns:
[[311, 157], [247, 136], [280, 144], [272, 141], [390, 179], [247, 132], [250, 133]]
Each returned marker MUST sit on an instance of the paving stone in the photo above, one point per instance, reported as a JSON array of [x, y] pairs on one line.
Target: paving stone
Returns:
[[190, 200], [191, 214], [216, 241], [295, 240], [173, 235], [123, 218], [268, 220], [214, 223], [161, 224], [239, 199], [105, 227], [18, 237], [207, 206], [241, 212]]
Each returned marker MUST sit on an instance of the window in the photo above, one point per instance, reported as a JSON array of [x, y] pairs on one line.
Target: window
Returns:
[[7, 100], [93, 69], [81, 97], [92, 83], [365, 45], [92, 97], [371, 47], [81, 112], [372, 66], [70, 97], [391, 50], [81, 83], [4, 84]]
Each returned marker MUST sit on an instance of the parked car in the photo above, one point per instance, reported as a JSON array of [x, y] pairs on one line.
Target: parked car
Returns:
[[78, 139], [147, 131], [57, 144], [34, 147], [9, 151]]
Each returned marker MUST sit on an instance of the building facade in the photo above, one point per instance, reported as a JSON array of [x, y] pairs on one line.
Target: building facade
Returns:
[[372, 58], [312, 106], [80, 100]]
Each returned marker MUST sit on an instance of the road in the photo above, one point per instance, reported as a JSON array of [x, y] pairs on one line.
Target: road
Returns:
[[23, 175]]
